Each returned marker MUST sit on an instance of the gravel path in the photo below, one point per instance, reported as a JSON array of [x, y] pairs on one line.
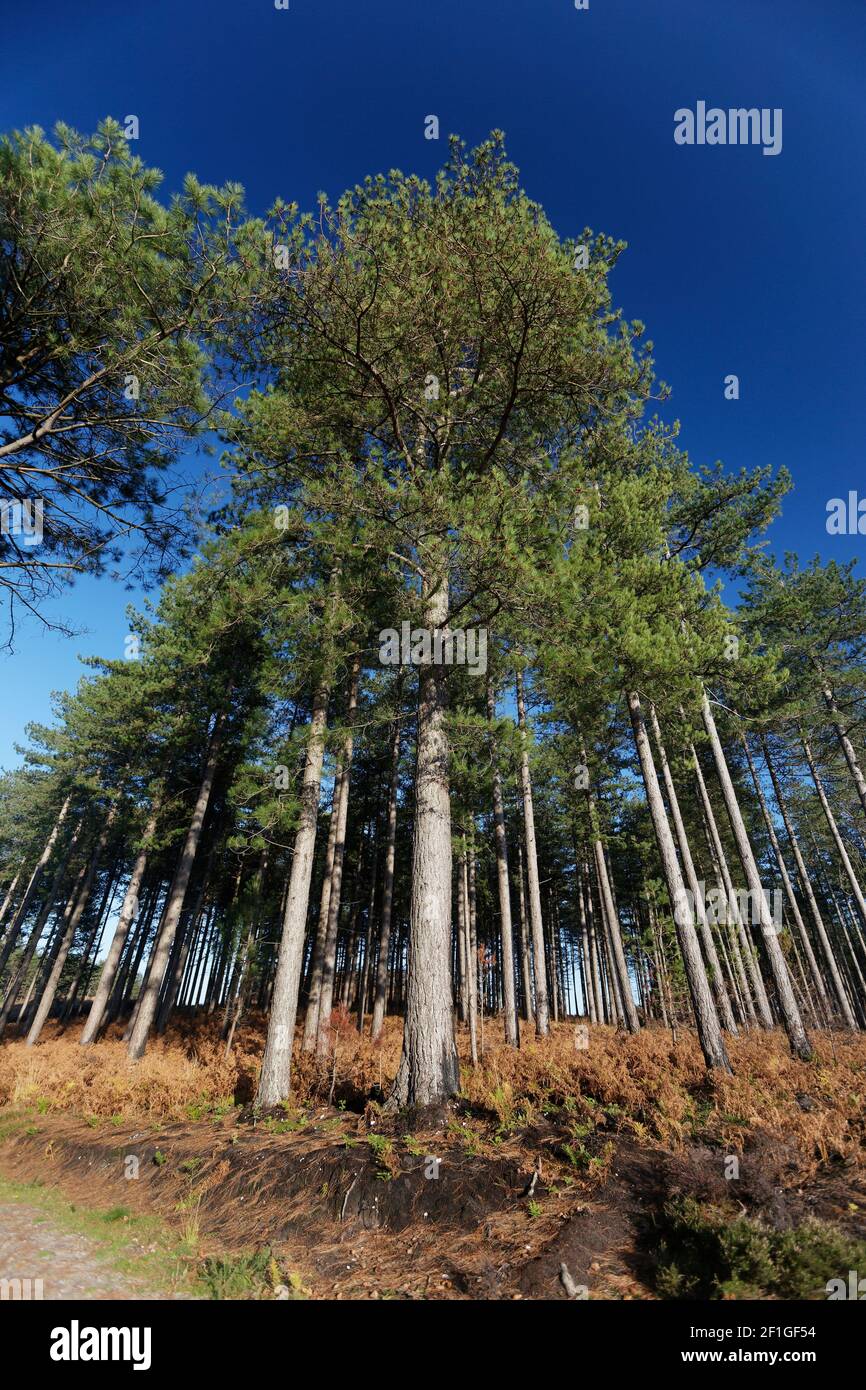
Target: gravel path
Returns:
[[33, 1247]]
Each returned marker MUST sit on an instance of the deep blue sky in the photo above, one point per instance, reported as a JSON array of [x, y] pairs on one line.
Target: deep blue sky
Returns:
[[737, 262]]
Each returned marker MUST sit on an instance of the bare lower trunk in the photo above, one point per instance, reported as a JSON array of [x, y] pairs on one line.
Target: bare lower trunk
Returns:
[[127, 915], [128, 974], [757, 994], [723, 1003], [311, 1018], [365, 975], [809, 894], [387, 887], [625, 1001], [429, 1070], [589, 996], [624, 997], [149, 999], [729, 937], [793, 905], [465, 921], [525, 962], [506, 937], [851, 876], [329, 958], [703, 1005], [542, 1015], [235, 1001], [30, 891], [91, 947], [205, 951], [10, 894], [276, 1074], [617, 1009], [50, 990], [845, 743], [797, 1036], [185, 937], [594, 962], [39, 925]]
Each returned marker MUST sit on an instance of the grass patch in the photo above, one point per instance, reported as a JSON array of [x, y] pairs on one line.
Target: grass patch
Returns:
[[249, 1276], [382, 1149], [140, 1247], [292, 1124], [156, 1258]]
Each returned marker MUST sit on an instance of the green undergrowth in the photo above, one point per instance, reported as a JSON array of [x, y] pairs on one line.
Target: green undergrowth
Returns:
[[702, 1253]]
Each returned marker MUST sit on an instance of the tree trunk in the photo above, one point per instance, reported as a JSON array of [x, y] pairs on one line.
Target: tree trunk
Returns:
[[205, 949], [797, 1036], [329, 958], [91, 947], [387, 886], [127, 915], [30, 891], [10, 893], [469, 956], [174, 906], [276, 1074], [845, 743], [68, 937], [542, 1016], [608, 906], [793, 905], [506, 934], [128, 974], [39, 924], [429, 1069], [703, 1005], [620, 977], [851, 876], [314, 993], [806, 883], [809, 894], [589, 995], [594, 962], [366, 976], [525, 962], [235, 1001], [723, 1003], [757, 996]]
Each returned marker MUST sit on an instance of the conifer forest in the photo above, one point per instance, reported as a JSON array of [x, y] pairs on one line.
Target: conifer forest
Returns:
[[440, 872]]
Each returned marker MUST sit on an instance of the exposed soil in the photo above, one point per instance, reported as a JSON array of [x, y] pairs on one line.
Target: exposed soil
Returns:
[[362, 1218], [553, 1174], [608, 1242]]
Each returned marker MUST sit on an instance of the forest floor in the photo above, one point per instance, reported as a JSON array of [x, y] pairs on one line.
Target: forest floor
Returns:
[[620, 1170]]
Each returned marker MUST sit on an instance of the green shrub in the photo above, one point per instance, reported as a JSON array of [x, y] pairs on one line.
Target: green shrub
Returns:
[[703, 1254]]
